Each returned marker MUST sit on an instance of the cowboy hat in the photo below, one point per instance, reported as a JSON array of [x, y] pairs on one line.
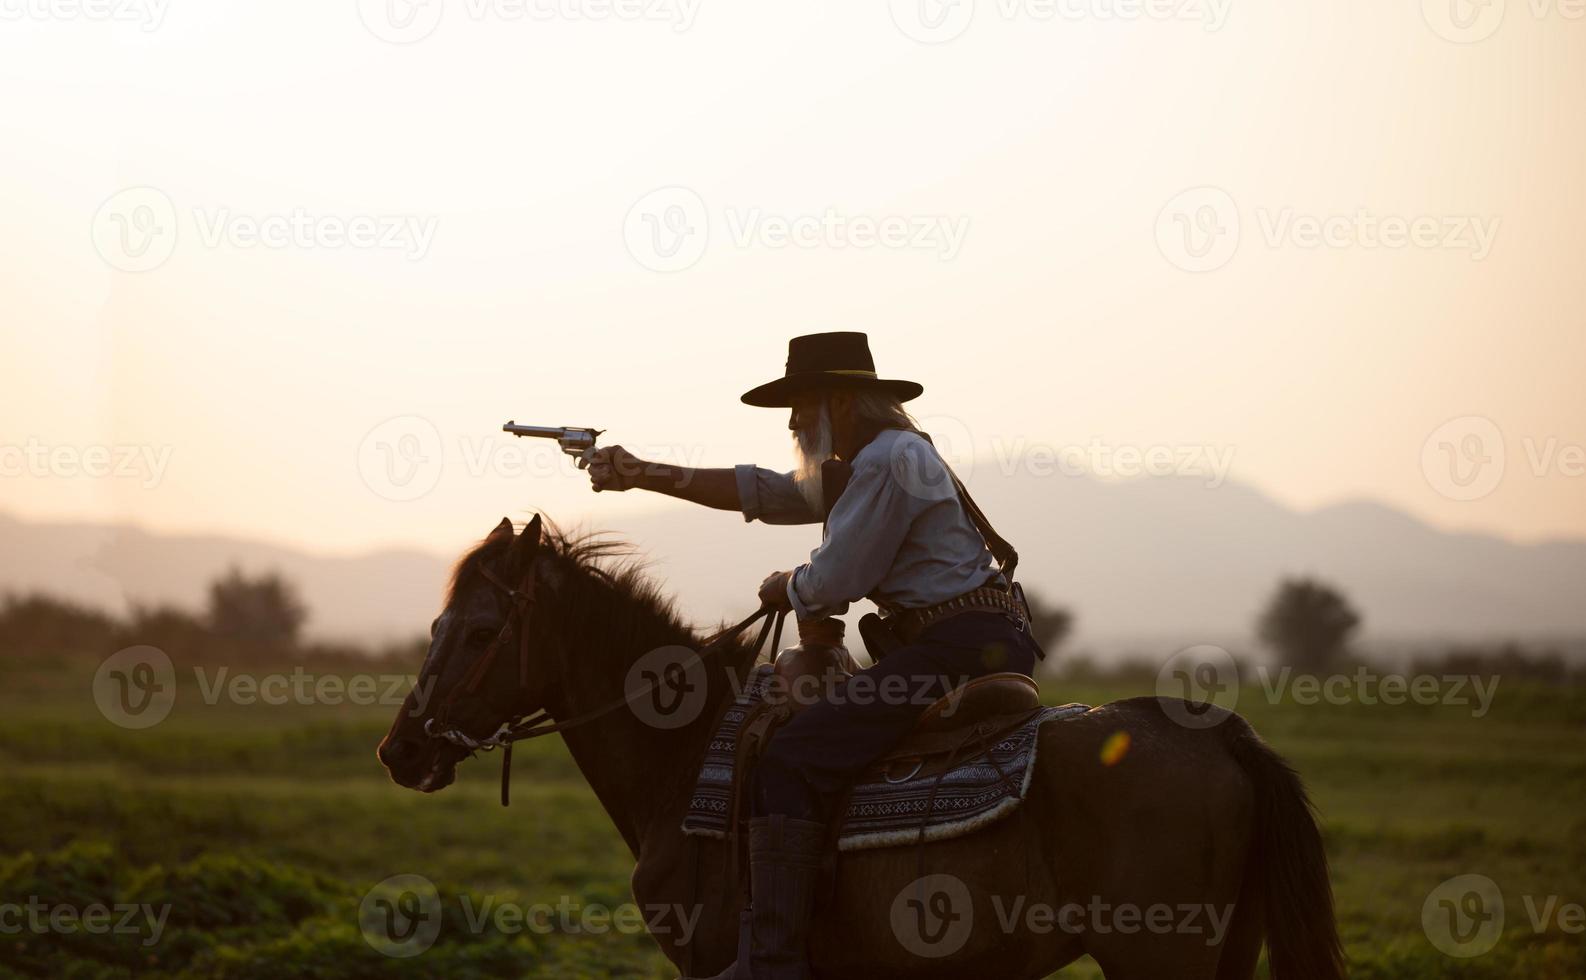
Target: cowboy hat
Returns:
[[826, 360]]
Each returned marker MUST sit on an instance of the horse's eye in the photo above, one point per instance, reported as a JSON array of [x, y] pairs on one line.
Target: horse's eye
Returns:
[[481, 637]]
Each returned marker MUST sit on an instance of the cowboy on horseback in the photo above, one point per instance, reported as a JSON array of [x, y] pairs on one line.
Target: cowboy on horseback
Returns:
[[900, 531]]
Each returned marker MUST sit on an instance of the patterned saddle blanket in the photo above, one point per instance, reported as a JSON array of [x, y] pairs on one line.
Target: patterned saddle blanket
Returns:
[[888, 808]]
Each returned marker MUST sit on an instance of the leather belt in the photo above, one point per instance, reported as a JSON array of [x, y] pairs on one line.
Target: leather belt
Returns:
[[908, 624]]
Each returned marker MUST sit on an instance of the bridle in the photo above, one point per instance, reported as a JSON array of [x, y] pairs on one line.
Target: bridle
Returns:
[[538, 723]]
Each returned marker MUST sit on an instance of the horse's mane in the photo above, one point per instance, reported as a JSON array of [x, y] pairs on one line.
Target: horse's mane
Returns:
[[604, 559]]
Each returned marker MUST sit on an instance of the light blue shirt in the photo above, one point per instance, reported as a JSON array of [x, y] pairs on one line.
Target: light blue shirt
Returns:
[[897, 536]]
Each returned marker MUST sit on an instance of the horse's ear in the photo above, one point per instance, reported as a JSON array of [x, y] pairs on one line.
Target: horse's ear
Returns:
[[527, 543], [505, 527]]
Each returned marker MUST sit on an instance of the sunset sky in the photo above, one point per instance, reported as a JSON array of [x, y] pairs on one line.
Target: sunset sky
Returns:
[[1342, 246]]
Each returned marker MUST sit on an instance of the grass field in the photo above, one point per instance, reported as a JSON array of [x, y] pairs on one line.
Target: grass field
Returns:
[[262, 828]]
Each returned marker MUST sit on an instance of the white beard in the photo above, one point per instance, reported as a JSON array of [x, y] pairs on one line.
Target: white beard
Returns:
[[812, 446]]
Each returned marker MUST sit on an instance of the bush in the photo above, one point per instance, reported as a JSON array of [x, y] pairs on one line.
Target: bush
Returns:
[[38, 624]]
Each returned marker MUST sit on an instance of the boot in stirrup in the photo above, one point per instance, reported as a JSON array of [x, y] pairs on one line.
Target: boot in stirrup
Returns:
[[784, 866]]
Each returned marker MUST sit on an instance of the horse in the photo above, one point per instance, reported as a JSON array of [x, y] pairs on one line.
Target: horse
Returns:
[[1179, 860]]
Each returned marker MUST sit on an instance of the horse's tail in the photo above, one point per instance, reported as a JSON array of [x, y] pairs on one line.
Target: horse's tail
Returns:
[[1287, 870]]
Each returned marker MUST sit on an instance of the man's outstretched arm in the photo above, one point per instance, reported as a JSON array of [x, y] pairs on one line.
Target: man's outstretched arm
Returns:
[[759, 494], [614, 468]]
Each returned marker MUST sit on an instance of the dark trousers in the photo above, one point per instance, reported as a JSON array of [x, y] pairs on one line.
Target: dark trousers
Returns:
[[813, 758]]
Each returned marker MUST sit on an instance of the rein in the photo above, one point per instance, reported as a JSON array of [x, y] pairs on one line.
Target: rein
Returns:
[[539, 723]]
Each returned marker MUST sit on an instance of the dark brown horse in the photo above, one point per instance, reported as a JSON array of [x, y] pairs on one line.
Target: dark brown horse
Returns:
[[1176, 861]]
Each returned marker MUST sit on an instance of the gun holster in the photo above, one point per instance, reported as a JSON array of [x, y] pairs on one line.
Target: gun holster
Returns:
[[878, 636]]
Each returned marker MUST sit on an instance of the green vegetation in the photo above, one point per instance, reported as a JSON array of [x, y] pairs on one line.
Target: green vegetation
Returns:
[[262, 827]]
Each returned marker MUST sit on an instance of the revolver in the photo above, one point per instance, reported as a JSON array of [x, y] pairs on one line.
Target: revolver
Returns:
[[575, 442]]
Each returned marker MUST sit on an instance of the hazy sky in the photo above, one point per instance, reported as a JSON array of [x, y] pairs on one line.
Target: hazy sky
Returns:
[[271, 272]]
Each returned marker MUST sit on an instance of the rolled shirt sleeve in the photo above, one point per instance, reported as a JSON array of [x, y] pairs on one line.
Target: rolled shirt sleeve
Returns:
[[772, 498], [863, 534]]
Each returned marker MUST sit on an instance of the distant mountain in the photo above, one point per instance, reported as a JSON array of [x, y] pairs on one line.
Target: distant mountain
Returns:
[[1169, 556], [1164, 559], [379, 596]]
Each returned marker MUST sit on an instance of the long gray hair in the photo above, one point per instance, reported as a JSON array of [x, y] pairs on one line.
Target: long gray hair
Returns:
[[812, 444]]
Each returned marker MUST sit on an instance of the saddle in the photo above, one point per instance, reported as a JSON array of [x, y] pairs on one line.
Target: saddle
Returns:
[[958, 726], [914, 795]]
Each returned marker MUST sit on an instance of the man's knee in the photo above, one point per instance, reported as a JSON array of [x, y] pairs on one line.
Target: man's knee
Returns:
[[778, 756], [782, 785]]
